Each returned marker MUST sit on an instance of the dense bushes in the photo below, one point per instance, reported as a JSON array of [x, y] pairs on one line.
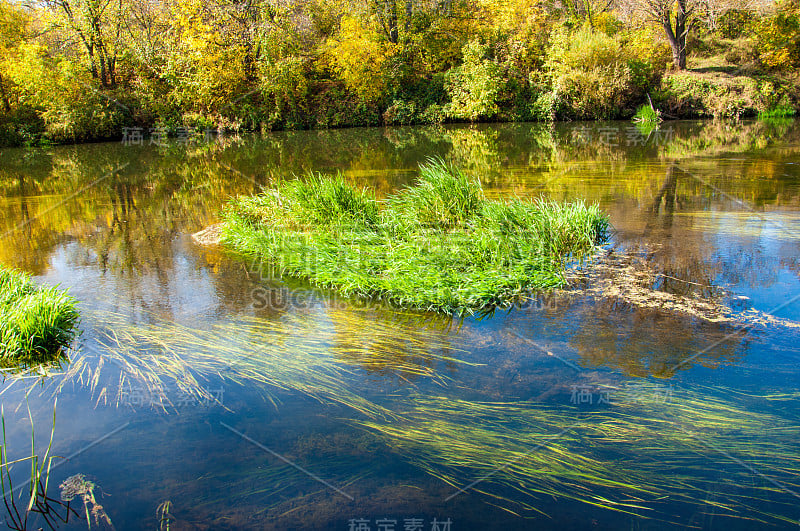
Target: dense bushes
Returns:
[[778, 36], [21, 126], [63, 98], [595, 75], [723, 96], [474, 86]]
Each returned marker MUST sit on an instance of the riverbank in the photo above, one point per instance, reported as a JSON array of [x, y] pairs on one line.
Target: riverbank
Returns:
[[711, 92], [604, 71]]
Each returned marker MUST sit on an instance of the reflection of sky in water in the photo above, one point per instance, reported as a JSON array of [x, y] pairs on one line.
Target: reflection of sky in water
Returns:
[[154, 273], [760, 252]]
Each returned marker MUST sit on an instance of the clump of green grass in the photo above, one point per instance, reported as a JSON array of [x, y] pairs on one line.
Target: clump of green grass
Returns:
[[438, 245], [781, 111], [442, 199], [316, 202], [36, 323], [647, 115]]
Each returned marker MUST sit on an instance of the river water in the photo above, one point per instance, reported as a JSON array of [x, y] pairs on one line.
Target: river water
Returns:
[[251, 401]]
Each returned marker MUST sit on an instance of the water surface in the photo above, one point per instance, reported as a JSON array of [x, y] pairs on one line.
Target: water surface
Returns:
[[250, 401]]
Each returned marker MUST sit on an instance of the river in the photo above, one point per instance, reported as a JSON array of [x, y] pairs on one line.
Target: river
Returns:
[[252, 401]]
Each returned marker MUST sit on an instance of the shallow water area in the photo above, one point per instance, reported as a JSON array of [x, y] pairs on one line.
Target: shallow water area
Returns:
[[252, 401]]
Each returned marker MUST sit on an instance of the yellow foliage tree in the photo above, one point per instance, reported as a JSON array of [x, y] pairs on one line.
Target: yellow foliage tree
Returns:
[[779, 36], [62, 93], [357, 55], [204, 73], [13, 29]]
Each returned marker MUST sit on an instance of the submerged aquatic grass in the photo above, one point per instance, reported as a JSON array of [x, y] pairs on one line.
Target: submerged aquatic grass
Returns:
[[627, 458], [36, 323], [639, 454], [439, 245], [298, 354], [49, 509]]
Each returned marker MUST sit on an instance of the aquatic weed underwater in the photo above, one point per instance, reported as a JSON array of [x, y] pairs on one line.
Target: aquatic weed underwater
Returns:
[[635, 456]]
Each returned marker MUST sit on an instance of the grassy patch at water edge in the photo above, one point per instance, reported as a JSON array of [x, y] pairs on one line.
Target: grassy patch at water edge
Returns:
[[437, 245], [36, 322]]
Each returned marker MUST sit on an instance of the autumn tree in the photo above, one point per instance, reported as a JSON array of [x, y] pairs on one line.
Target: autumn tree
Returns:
[[392, 15], [147, 25], [779, 36], [587, 10], [674, 16], [710, 12], [244, 24], [97, 24], [13, 31]]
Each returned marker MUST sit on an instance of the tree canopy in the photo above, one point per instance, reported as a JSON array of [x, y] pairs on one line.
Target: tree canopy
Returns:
[[73, 70]]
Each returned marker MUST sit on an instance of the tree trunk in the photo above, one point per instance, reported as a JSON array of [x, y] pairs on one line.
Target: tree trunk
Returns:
[[92, 63], [112, 72], [394, 37], [249, 62], [103, 72], [4, 95], [387, 15], [677, 35]]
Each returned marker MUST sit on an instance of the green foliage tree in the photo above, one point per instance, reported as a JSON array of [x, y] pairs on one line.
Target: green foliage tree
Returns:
[[595, 75]]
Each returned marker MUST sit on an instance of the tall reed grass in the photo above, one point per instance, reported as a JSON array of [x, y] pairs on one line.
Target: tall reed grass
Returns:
[[39, 503], [438, 245], [36, 322]]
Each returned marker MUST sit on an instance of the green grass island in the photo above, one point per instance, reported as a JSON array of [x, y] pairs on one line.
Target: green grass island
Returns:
[[438, 245]]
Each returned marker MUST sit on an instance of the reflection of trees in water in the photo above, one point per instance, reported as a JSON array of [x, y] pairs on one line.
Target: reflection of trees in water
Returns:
[[644, 342], [688, 262], [688, 255], [128, 224], [720, 137], [672, 250], [400, 346], [125, 223]]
